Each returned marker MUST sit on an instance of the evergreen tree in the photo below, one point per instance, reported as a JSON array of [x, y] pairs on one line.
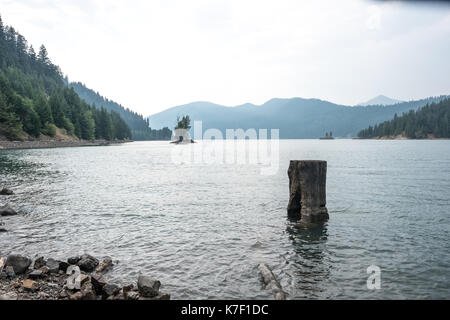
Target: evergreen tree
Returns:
[[431, 120], [43, 110], [35, 98], [43, 56]]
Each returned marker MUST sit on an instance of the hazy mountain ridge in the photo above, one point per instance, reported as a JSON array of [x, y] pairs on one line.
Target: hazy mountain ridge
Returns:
[[380, 100], [295, 117]]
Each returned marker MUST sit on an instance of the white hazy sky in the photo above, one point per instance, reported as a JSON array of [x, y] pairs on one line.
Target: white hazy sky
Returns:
[[152, 55]]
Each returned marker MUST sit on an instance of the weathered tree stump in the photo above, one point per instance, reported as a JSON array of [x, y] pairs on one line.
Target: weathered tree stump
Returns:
[[307, 191]]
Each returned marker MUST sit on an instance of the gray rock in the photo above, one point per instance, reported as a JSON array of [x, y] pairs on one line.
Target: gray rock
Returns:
[[19, 263], [132, 295], [39, 263], [98, 282], [160, 296], [104, 266], [87, 263], [45, 270], [7, 211], [128, 287], [148, 287], [9, 270], [110, 290], [6, 192], [35, 274], [73, 260], [3, 275], [84, 279], [88, 291], [63, 266], [52, 265]]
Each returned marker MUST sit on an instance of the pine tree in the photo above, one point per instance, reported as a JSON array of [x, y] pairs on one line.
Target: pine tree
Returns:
[[43, 110], [43, 56], [26, 82]]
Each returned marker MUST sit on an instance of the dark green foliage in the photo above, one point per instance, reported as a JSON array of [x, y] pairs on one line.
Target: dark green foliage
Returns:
[[183, 123], [430, 120], [34, 97], [140, 127], [49, 129]]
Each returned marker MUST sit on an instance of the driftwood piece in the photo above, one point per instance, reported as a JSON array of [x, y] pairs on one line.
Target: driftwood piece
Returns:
[[271, 282]]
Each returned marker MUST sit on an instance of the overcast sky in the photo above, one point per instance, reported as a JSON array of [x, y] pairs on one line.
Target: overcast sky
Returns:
[[152, 55]]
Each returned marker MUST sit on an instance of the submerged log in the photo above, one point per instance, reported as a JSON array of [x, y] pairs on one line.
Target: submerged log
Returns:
[[271, 282], [307, 191]]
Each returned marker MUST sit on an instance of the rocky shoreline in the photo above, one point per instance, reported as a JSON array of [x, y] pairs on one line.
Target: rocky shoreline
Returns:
[[56, 143], [77, 278]]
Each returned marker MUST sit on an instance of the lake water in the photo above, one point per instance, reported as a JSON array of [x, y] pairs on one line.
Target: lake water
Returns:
[[202, 229]]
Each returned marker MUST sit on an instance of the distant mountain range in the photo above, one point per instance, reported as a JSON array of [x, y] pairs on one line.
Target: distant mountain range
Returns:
[[380, 100], [295, 117]]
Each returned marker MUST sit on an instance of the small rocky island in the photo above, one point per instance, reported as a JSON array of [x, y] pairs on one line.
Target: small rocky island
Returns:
[[49, 279], [181, 131]]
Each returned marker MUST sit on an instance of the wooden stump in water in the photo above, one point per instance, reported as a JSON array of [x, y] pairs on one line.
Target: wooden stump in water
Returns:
[[307, 191]]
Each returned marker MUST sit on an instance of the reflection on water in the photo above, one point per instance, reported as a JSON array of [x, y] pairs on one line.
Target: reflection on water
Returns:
[[309, 268], [202, 229]]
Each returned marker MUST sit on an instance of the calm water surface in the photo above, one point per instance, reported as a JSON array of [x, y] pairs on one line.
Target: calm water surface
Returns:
[[202, 229]]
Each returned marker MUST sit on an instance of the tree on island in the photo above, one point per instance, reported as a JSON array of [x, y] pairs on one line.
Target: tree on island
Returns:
[[184, 123]]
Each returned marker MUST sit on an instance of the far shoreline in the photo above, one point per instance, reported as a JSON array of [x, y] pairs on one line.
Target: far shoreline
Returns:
[[50, 144], [400, 138]]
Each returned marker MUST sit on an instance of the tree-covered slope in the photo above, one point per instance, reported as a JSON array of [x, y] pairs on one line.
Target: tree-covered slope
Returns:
[[433, 120], [140, 127], [34, 98]]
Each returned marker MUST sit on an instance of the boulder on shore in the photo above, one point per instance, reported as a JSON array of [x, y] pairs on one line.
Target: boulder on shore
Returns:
[[6, 192], [98, 282], [45, 279], [148, 287], [19, 263], [87, 263], [104, 266], [39, 263], [73, 260], [7, 211], [110, 290], [52, 265]]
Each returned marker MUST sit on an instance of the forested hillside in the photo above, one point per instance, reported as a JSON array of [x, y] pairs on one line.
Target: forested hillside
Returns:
[[34, 98], [432, 120], [140, 128]]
